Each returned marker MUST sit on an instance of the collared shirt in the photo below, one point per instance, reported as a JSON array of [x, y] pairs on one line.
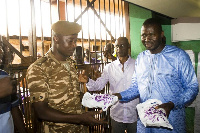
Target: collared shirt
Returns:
[[56, 83], [122, 111], [166, 76]]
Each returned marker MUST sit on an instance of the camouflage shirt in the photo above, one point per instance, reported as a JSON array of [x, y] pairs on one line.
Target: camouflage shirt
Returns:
[[56, 83]]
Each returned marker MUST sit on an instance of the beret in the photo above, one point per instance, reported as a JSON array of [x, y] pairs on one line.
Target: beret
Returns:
[[65, 28]]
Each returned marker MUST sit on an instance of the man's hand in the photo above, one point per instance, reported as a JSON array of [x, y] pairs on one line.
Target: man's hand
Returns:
[[8, 86], [167, 107], [91, 118], [107, 54], [83, 77], [46, 113], [97, 73], [118, 95]]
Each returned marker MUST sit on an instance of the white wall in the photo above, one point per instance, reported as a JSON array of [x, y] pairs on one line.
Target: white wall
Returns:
[[185, 29]]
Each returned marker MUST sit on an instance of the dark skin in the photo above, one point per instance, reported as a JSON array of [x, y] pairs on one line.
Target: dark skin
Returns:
[[151, 38], [18, 119], [47, 113], [63, 47], [6, 83], [7, 88], [122, 47], [109, 50]]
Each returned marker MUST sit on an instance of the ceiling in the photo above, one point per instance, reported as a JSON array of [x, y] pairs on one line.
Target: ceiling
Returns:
[[171, 8]]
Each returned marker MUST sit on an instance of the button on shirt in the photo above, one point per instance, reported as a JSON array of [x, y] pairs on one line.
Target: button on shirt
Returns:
[[119, 81]]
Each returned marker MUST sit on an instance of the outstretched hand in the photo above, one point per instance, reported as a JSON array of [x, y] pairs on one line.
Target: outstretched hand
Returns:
[[83, 77], [91, 118], [107, 54], [118, 95], [167, 107]]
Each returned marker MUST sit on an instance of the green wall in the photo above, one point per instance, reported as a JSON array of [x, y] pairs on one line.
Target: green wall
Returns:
[[167, 31], [137, 16]]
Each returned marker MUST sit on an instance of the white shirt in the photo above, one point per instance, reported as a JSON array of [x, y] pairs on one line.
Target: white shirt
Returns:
[[119, 81]]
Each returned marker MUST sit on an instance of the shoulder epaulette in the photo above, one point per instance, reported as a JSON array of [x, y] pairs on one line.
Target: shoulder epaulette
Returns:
[[40, 61]]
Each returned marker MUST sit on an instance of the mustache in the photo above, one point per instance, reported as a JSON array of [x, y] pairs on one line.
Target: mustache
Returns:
[[148, 42]]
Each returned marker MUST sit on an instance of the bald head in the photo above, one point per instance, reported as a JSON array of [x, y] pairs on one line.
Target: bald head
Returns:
[[124, 39], [122, 46]]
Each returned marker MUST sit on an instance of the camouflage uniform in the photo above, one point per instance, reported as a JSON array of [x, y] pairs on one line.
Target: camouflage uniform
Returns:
[[56, 83]]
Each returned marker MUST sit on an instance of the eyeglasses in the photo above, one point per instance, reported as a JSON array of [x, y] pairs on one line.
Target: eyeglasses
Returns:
[[120, 46]]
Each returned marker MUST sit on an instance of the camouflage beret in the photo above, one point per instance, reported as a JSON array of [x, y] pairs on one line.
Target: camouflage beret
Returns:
[[66, 28]]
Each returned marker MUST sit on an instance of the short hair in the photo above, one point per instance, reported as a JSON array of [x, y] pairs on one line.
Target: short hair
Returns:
[[122, 38], [154, 22]]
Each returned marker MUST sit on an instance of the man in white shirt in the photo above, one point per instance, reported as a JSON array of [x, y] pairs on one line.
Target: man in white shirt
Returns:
[[118, 73]]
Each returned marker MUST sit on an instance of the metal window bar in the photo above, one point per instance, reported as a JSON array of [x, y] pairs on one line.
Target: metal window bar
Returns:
[[106, 34], [105, 20], [50, 10], [66, 12], [114, 18], [6, 5], [33, 38], [101, 68], [118, 15], [20, 37], [88, 31], [95, 50], [58, 8], [42, 35], [122, 10]]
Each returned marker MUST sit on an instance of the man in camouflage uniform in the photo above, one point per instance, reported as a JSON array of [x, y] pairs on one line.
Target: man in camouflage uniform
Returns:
[[53, 85]]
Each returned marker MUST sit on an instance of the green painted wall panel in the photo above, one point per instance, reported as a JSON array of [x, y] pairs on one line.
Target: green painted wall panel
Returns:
[[189, 45], [137, 16], [167, 33]]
